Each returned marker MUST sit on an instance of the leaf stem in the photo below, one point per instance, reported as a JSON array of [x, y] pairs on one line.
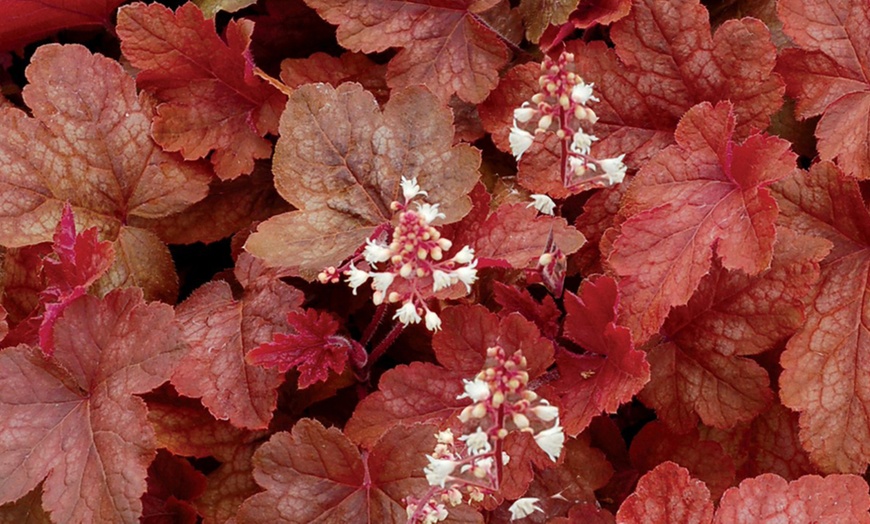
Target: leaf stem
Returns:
[[385, 344]]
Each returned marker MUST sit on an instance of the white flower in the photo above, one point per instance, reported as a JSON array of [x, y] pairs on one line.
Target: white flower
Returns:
[[375, 252], [582, 93], [356, 278], [445, 437], [524, 507], [438, 470], [582, 142], [520, 140], [429, 212], [465, 255], [410, 189], [578, 165], [433, 321], [477, 442], [551, 441], [524, 113], [613, 168], [477, 390], [466, 274], [440, 280], [381, 281], [407, 314], [543, 203], [545, 412]]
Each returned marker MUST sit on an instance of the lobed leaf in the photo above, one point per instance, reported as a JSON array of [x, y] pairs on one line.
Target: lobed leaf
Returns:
[[667, 494]]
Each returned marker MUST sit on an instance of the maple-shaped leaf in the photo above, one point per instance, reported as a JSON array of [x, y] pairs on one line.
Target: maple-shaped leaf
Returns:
[[702, 370], [828, 75], [823, 376], [424, 392], [220, 330], [316, 474], [667, 494], [209, 97], [72, 420], [313, 347], [705, 192], [340, 162], [448, 45], [769, 498], [705, 459], [26, 21], [80, 261], [610, 372]]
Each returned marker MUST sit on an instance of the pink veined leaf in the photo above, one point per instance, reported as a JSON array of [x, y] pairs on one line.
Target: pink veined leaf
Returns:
[[667, 494], [314, 348], [706, 191]]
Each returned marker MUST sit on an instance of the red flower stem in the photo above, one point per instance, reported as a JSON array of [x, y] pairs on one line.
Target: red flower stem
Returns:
[[385, 344], [373, 325], [563, 124]]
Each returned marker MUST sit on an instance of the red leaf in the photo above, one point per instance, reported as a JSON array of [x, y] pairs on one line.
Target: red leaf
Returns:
[[545, 314], [705, 191], [667, 494], [611, 371], [26, 21], [823, 376], [349, 67], [73, 421], [768, 499], [209, 97], [172, 484], [446, 44], [325, 165], [313, 349], [828, 75], [315, 473], [220, 331], [538, 14], [701, 371]]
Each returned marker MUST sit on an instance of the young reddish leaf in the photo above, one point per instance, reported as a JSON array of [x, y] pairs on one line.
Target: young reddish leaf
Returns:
[[220, 331], [315, 473], [340, 161], [705, 459], [80, 261], [587, 14], [26, 21], [172, 484], [769, 499], [667, 494], [611, 371], [822, 376], [705, 191], [313, 348], [73, 421], [539, 14], [87, 143], [209, 97], [447, 45], [828, 75], [423, 392], [701, 370]]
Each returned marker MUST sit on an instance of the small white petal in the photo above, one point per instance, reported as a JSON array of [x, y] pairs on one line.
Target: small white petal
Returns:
[[433, 321], [438, 470], [613, 168], [466, 274], [429, 212], [551, 441], [582, 142], [440, 280], [381, 281], [465, 255], [477, 390], [543, 203], [410, 189], [407, 314], [582, 93], [375, 253], [477, 442], [545, 412], [524, 507], [356, 278], [520, 141], [525, 113]]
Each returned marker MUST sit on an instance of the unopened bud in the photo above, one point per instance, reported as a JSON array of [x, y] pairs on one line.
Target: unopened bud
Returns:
[[521, 421]]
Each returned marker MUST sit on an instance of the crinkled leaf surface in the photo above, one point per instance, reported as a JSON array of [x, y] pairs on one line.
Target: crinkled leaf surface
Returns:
[[340, 162], [823, 375], [706, 191], [312, 347], [769, 499], [209, 97], [316, 474], [667, 494], [423, 392], [829, 75], [26, 21], [447, 44], [701, 370], [349, 67], [610, 372], [88, 143], [220, 330], [72, 420]]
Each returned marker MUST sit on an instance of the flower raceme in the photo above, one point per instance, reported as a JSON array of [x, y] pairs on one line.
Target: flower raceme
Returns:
[[412, 261], [561, 107], [465, 469]]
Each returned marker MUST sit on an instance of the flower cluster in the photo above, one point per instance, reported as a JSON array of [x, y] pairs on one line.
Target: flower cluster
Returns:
[[469, 467], [561, 106], [412, 261]]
